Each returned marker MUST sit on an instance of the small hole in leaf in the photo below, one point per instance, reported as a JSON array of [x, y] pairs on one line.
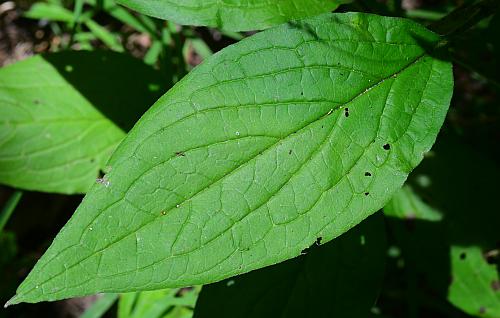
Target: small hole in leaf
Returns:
[[367, 193], [301, 93], [163, 213], [463, 255], [367, 174], [290, 152], [180, 154], [346, 112], [386, 147], [318, 240], [101, 174]]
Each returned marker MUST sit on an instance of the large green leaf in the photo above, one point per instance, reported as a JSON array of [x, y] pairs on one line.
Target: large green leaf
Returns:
[[62, 115], [296, 133], [339, 279], [235, 15]]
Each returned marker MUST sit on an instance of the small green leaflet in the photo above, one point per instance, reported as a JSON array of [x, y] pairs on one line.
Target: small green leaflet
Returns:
[[60, 120], [339, 279], [255, 154], [236, 15]]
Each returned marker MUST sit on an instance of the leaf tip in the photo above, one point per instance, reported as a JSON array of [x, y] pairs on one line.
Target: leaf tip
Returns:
[[13, 301]]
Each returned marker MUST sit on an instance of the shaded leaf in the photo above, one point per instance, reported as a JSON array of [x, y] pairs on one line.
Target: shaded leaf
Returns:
[[475, 287], [253, 156], [457, 256], [61, 116], [339, 279], [235, 16], [406, 204]]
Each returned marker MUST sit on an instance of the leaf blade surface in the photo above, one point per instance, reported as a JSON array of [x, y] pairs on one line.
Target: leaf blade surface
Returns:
[[234, 15], [61, 120], [253, 156], [339, 279]]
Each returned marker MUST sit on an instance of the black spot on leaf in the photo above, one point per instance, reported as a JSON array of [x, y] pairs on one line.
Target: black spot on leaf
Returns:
[[463, 255]]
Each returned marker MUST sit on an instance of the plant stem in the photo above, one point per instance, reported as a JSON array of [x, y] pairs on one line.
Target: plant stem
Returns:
[[465, 17], [9, 207]]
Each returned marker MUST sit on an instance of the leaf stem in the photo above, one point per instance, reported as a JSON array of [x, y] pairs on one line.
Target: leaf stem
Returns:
[[9, 208], [465, 17]]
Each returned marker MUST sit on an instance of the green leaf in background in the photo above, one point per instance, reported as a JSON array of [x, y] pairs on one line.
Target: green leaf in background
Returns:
[[101, 306], [339, 279], [292, 134], [405, 204], [475, 286], [457, 255], [62, 115], [56, 12], [157, 304], [236, 15], [49, 11]]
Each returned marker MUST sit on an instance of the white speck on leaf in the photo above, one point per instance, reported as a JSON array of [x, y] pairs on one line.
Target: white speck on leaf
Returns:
[[104, 181]]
